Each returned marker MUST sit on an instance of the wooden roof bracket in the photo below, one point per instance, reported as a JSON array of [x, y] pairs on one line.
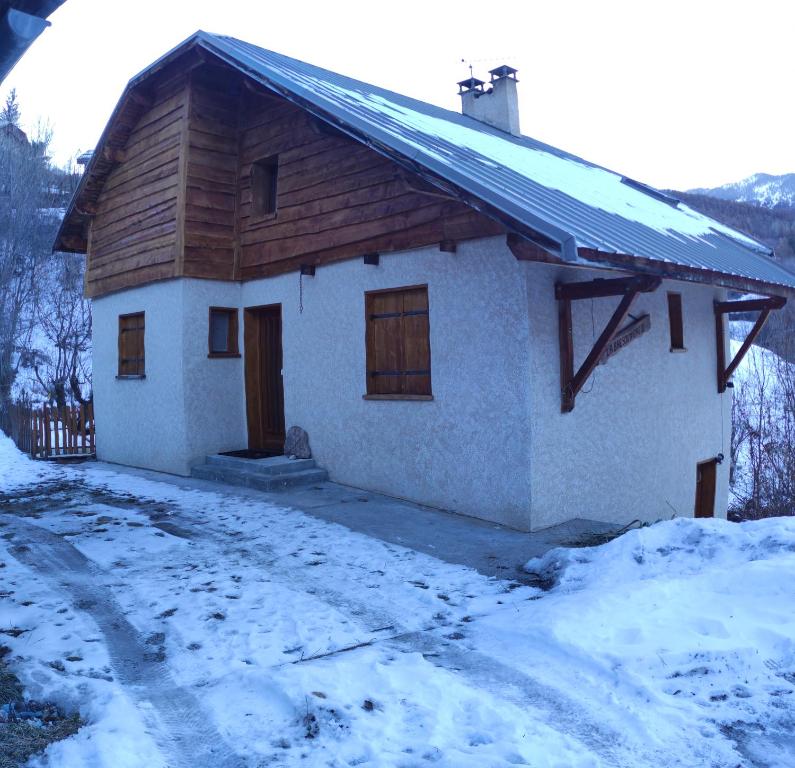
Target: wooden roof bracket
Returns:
[[764, 306], [626, 287]]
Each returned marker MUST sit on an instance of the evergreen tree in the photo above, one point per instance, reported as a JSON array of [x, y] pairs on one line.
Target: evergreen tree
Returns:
[[10, 112]]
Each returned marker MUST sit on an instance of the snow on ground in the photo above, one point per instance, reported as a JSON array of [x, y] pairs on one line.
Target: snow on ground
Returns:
[[199, 628]]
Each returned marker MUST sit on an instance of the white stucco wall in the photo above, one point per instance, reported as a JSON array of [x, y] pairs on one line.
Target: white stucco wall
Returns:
[[469, 448], [629, 448], [141, 422], [188, 405], [492, 443]]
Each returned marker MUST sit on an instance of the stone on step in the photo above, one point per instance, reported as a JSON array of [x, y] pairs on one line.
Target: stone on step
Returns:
[[296, 443]]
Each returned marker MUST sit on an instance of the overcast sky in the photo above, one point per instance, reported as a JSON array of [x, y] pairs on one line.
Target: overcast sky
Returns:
[[676, 94]]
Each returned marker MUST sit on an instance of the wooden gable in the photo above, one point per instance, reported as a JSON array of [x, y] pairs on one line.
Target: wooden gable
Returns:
[[178, 201], [133, 225]]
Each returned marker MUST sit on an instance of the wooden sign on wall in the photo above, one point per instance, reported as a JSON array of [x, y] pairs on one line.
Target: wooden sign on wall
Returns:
[[626, 335]]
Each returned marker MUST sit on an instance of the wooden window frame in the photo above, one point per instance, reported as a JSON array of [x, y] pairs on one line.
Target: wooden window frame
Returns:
[[676, 322], [233, 348], [139, 370], [370, 352], [264, 184]]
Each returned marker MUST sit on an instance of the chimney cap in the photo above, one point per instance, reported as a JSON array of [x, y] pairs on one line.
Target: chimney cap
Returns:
[[470, 84], [503, 71]]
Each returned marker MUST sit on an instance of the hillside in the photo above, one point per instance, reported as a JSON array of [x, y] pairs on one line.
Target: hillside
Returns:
[[773, 226]]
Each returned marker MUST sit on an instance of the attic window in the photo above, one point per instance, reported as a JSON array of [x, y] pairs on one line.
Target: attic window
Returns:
[[264, 174]]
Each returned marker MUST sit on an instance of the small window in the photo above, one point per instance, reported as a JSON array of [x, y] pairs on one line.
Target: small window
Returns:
[[264, 174], [675, 321], [131, 344], [398, 343], [223, 332]]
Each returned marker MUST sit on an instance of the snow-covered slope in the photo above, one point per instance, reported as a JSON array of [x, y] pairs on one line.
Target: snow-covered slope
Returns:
[[761, 188]]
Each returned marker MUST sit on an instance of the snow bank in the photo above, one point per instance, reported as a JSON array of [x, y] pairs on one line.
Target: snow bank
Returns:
[[688, 623], [18, 470], [673, 550]]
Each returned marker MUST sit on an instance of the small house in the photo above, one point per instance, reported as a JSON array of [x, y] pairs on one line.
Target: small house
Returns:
[[455, 313]]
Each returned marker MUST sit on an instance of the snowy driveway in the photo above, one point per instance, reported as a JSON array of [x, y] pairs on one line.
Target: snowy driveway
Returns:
[[203, 629]]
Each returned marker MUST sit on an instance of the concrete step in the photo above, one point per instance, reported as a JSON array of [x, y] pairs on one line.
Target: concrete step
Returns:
[[274, 465], [262, 481]]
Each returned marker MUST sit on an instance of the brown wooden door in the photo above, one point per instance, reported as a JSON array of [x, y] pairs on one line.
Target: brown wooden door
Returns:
[[262, 333], [706, 474]]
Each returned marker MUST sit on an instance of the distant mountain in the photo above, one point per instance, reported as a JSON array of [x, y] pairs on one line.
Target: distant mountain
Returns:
[[761, 188]]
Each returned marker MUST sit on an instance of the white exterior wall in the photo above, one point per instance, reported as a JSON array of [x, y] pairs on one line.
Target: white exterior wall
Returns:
[[187, 405], [465, 450], [629, 448], [141, 421], [492, 443]]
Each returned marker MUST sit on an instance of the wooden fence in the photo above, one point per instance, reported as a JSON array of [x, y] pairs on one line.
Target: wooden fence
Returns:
[[47, 433]]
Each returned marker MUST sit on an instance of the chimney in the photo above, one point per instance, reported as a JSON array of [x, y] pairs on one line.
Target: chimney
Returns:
[[499, 105]]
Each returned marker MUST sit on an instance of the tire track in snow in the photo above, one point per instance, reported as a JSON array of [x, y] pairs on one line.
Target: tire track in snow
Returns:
[[182, 729], [482, 671], [561, 712]]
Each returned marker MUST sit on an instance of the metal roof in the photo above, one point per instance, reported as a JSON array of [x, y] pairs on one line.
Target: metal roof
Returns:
[[21, 22], [578, 211]]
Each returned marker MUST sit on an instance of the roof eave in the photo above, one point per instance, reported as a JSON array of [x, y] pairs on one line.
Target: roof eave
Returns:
[[672, 271]]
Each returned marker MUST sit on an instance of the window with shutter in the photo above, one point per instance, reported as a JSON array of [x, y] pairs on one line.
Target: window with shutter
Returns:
[[223, 332], [398, 343], [131, 345]]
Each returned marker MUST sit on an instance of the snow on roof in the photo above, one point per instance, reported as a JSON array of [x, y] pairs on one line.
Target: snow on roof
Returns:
[[574, 203], [537, 190]]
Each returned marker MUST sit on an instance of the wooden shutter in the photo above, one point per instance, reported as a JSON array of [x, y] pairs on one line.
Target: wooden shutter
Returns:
[[131, 345], [675, 321], [398, 342]]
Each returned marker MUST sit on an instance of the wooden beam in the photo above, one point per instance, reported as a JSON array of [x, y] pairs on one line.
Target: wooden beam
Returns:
[[414, 183], [526, 250], [750, 305], [566, 342], [114, 154], [766, 305], [72, 243], [140, 98], [720, 341], [680, 272], [592, 360], [599, 288], [257, 89], [626, 287], [86, 208]]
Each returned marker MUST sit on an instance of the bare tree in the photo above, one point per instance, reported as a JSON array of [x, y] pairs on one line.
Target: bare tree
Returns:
[[27, 226], [763, 431], [61, 359]]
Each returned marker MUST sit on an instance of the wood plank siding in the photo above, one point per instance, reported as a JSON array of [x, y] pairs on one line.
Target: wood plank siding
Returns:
[[133, 233], [179, 200]]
